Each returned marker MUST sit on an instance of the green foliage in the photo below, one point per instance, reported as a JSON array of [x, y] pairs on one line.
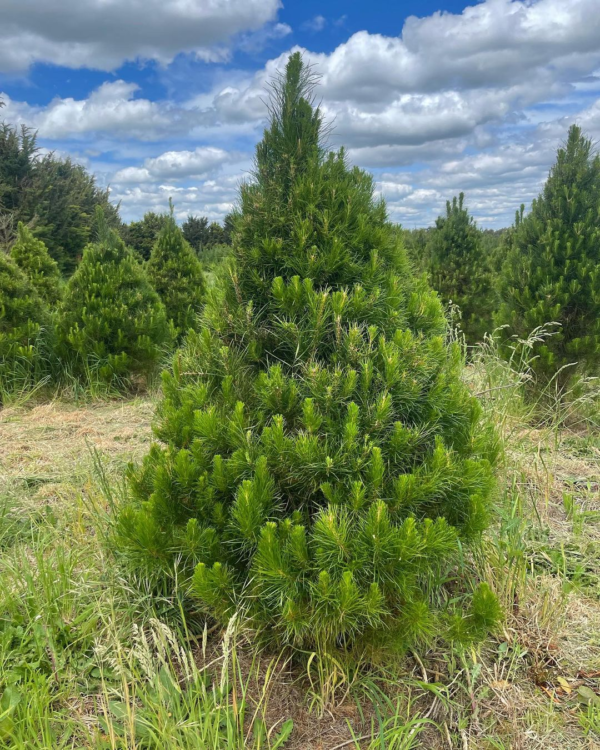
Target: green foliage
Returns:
[[552, 268], [202, 236], [56, 196], [459, 269], [62, 205], [141, 235], [23, 316], [321, 463], [177, 276], [111, 318], [32, 257]]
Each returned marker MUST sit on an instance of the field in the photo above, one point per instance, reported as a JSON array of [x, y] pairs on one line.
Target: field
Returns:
[[89, 659]]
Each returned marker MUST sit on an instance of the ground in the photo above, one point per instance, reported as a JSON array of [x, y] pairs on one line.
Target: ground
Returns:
[[90, 658]]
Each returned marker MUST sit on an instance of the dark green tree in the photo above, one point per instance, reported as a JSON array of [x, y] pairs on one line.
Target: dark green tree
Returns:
[[552, 267], [111, 319], [195, 232], [142, 235], [177, 276], [23, 316], [321, 464], [32, 257], [459, 269]]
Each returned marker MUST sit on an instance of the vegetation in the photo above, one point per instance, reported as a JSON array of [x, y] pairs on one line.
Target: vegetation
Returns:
[[337, 509], [323, 465], [177, 276], [23, 316], [459, 269], [551, 271], [111, 320], [32, 257], [55, 196], [202, 236], [141, 235]]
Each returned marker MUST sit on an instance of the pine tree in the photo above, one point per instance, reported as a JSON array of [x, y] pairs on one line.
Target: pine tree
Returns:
[[111, 318], [552, 268], [195, 232], [459, 269], [321, 464], [23, 316], [177, 276], [32, 257]]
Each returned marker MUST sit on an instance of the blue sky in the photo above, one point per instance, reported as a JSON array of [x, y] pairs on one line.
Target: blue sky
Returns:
[[166, 98]]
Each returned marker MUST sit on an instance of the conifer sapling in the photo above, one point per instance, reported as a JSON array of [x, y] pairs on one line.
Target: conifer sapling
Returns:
[[321, 465], [32, 257], [177, 276], [111, 318]]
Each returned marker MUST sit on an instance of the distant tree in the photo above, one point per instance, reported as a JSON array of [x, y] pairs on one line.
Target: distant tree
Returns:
[[62, 204], [177, 276], [552, 267], [459, 269], [195, 232], [32, 257], [416, 242], [56, 197], [141, 235], [111, 318]]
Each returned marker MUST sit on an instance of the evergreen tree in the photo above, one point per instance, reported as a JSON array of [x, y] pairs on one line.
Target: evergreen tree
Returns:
[[321, 463], [195, 232], [552, 269], [459, 269], [23, 314], [142, 235], [111, 318], [32, 257], [177, 276]]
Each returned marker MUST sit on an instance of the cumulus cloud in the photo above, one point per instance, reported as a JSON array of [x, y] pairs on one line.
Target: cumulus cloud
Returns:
[[105, 33], [111, 108], [177, 165], [212, 198]]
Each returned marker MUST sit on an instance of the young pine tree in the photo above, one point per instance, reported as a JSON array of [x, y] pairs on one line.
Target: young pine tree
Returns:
[[459, 269], [177, 276], [111, 319], [32, 257], [551, 272], [321, 464], [23, 316]]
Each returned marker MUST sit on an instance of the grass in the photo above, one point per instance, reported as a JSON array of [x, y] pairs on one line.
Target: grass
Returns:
[[89, 659]]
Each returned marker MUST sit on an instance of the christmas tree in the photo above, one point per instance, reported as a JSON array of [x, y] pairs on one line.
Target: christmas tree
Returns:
[[111, 319], [32, 257], [177, 276], [321, 464], [23, 317], [551, 273], [459, 269]]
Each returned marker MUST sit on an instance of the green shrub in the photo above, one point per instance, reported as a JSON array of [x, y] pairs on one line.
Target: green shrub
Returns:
[[459, 269], [24, 322], [111, 319], [177, 276], [321, 464], [32, 257], [551, 273]]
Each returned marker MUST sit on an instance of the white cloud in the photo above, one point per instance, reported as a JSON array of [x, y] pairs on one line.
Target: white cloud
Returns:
[[176, 165], [211, 198], [105, 33], [111, 108], [315, 24]]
